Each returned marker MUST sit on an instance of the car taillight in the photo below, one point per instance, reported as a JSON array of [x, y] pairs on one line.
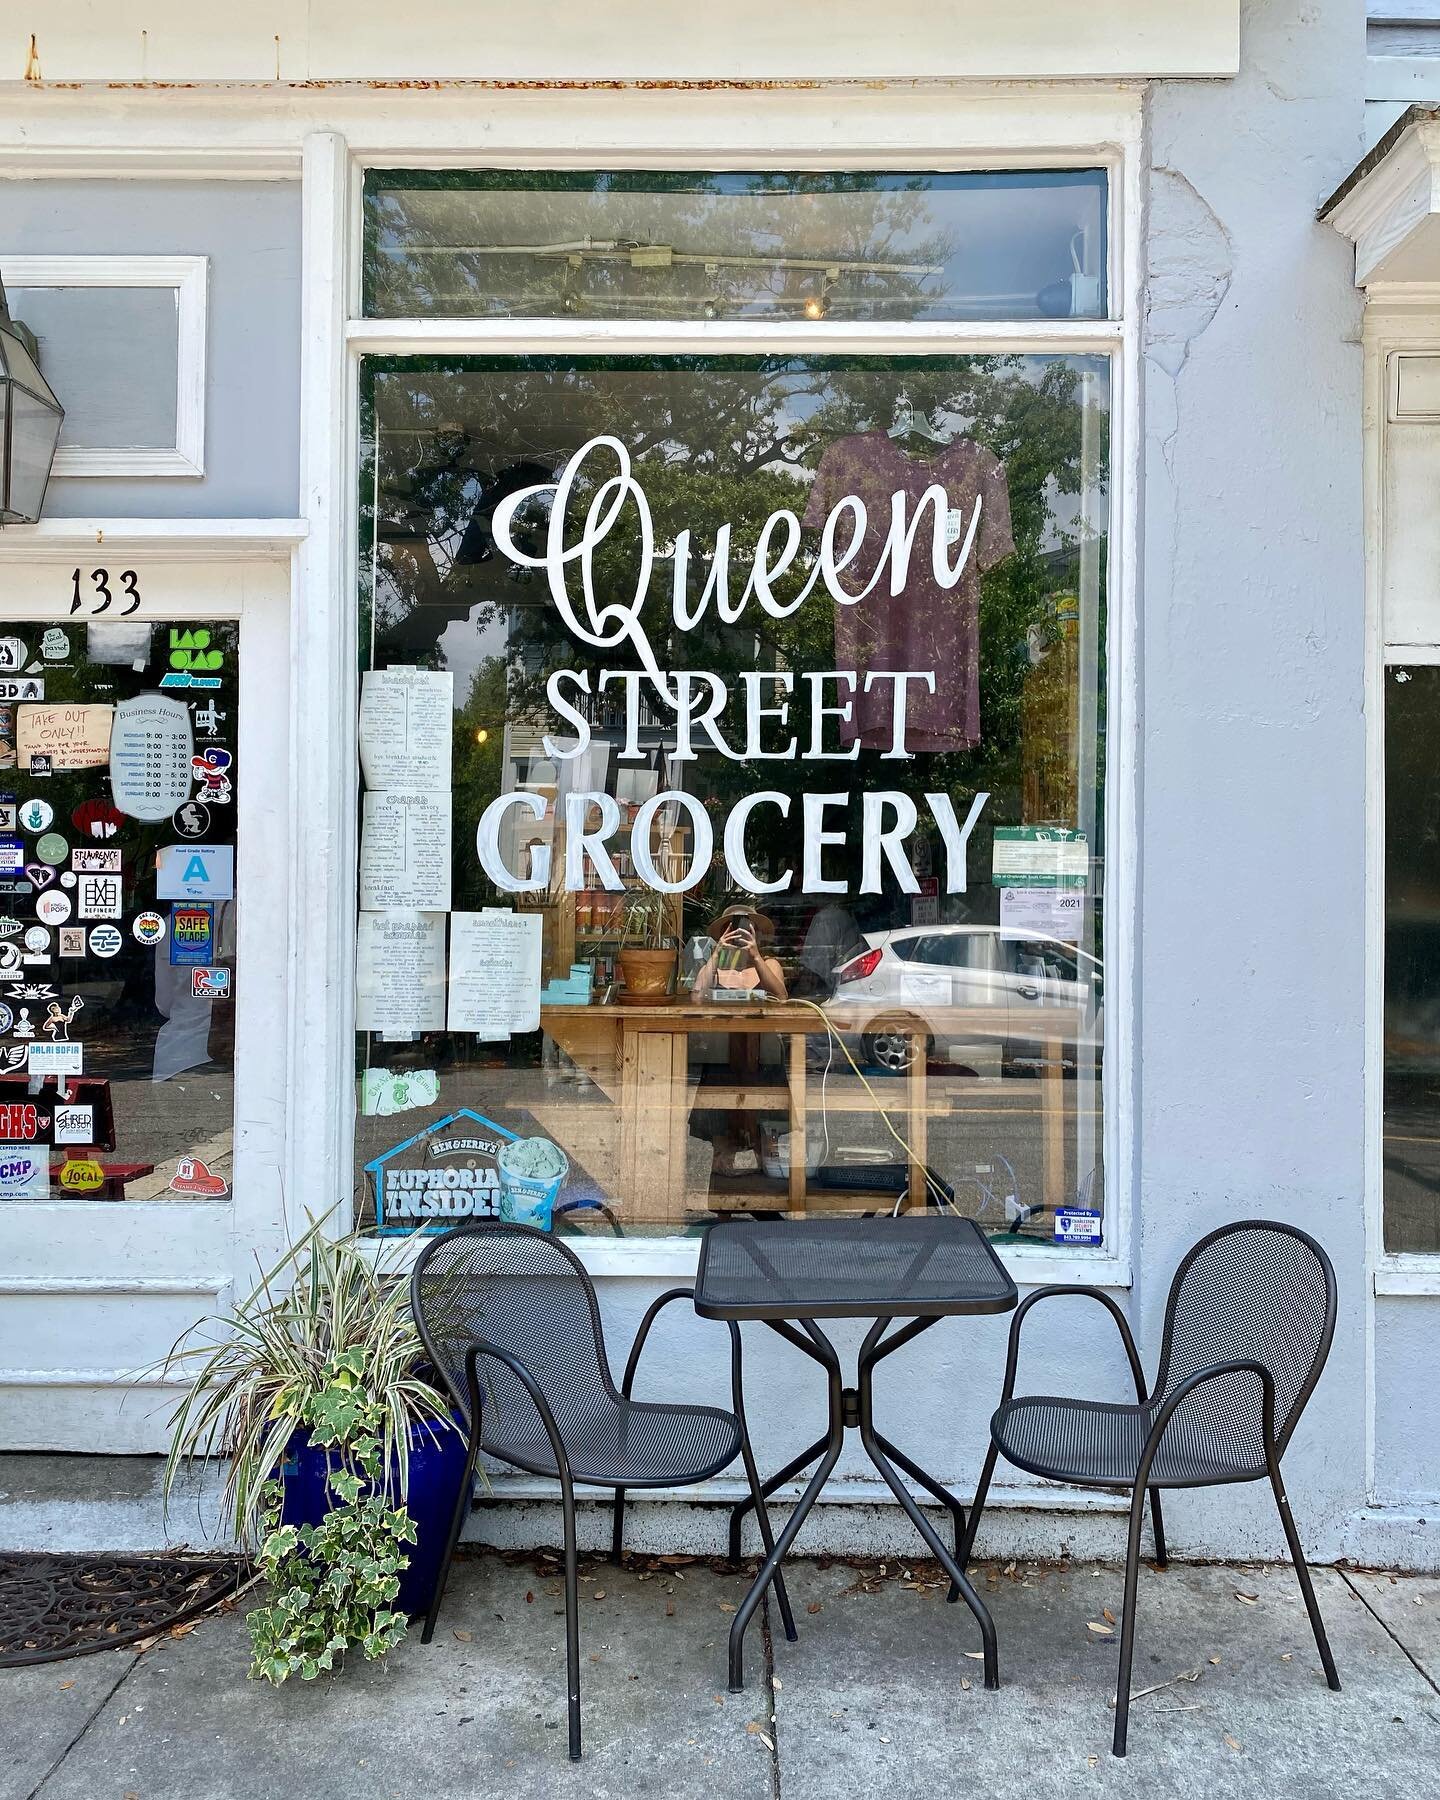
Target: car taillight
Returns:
[[860, 967]]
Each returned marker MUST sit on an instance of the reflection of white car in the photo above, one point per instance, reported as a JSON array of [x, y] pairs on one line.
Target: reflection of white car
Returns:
[[898, 986]]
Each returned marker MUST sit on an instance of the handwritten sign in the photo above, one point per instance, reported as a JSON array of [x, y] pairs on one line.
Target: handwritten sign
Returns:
[[73, 737]]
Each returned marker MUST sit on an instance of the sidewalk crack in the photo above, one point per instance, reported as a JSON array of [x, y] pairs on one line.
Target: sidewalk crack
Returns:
[[769, 1646], [95, 1713], [1404, 1648]]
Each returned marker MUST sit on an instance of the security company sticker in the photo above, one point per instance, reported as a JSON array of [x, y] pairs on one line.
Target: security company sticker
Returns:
[[57, 1059], [195, 872], [192, 935], [209, 984], [12, 856], [74, 1125], [148, 929], [24, 1172], [1076, 1225]]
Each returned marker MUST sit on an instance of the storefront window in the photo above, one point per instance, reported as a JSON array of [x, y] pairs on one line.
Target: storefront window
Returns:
[[634, 244], [1412, 959], [733, 763], [117, 905]]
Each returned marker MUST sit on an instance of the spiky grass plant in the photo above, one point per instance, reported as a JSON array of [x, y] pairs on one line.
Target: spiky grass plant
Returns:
[[324, 1344]]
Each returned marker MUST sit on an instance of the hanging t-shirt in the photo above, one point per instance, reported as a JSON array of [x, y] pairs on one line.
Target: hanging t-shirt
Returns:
[[926, 626]]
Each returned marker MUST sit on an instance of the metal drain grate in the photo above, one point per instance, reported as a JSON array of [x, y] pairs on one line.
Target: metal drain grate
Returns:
[[57, 1606]]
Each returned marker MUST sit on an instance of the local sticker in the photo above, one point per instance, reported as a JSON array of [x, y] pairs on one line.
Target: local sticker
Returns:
[[54, 645], [82, 1176], [53, 908], [105, 940], [148, 929]]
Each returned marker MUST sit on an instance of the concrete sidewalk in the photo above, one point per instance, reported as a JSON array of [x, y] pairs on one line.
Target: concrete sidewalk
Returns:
[[879, 1695]]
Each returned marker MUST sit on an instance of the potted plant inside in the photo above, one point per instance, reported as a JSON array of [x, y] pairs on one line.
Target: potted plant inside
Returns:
[[344, 1461], [647, 952]]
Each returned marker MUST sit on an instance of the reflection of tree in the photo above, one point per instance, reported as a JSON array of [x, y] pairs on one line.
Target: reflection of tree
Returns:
[[416, 267], [713, 441]]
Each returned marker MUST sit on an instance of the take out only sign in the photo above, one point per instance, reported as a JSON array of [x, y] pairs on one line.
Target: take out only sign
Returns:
[[699, 698]]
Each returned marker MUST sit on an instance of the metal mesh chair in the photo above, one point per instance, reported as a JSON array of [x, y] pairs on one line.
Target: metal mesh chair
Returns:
[[1248, 1327], [522, 1302]]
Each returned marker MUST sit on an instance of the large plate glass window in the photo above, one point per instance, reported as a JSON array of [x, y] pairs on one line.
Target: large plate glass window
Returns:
[[733, 767]]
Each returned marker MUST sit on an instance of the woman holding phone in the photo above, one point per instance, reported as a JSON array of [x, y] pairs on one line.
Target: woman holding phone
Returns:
[[740, 964], [740, 961]]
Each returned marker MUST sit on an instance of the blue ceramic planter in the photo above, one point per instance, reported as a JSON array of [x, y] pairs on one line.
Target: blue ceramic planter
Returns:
[[437, 1465]]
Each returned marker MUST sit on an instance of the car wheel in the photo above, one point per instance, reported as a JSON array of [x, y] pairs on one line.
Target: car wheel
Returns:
[[893, 1050]]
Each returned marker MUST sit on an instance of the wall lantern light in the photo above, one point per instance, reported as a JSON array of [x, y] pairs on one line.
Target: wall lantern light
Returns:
[[30, 421]]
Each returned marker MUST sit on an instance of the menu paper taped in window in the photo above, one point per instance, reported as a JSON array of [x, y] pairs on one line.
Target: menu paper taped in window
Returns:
[[400, 972], [405, 851], [406, 719], [494, 972]]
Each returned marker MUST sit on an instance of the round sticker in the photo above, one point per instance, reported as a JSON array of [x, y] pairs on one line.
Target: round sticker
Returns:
[[37, 815], [149, 929], [105, 940], [7, 1018], [37, 940], [52, 848], [10, 963], [53, 908], [68, 878], [192, 820]]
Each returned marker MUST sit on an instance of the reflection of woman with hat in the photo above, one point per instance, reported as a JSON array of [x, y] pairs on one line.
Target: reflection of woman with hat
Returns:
[[740, 961]]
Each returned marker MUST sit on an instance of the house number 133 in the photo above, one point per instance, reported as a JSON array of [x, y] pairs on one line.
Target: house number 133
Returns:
[[99, 595]]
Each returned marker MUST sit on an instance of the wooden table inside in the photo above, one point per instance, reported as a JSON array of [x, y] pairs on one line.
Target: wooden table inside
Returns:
[[639, 1057]]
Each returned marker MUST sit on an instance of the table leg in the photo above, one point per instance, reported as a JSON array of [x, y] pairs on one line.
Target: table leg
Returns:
[[953, 1506], [871, 1352], [823, 1353], [767, 1488]]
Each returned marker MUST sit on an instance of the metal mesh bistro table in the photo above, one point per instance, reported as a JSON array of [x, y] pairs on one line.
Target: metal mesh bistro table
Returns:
[[916, 1267]]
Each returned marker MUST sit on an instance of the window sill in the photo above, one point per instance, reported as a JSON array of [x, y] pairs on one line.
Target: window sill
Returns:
[[658, 1258], [1408, 1275]]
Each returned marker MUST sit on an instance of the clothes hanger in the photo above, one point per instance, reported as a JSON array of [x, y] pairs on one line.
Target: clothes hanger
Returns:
[[909, 423]]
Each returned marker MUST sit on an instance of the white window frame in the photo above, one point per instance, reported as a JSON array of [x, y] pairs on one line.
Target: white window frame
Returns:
[[898, 130], [188, 278], [1399, 320]]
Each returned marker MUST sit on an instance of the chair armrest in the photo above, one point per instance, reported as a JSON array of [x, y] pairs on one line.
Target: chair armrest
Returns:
[[633, 1361], [1089, 1293], [482, 1347], [1179, 1395]]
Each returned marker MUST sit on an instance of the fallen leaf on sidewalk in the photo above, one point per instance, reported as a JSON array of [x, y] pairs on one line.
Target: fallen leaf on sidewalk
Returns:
[[1233, 1743], [965, 1684], [1215, 1659], [1246, 1599], [67, 1684], [815, 1606], [725, 1606], [1287, 1656], [1107, 1615], [1099, 1629], [776, 1683], [464, 1637], [753, 1728], [1159, 1686], [669, 1609], [599, 1594], [975, 1655]]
